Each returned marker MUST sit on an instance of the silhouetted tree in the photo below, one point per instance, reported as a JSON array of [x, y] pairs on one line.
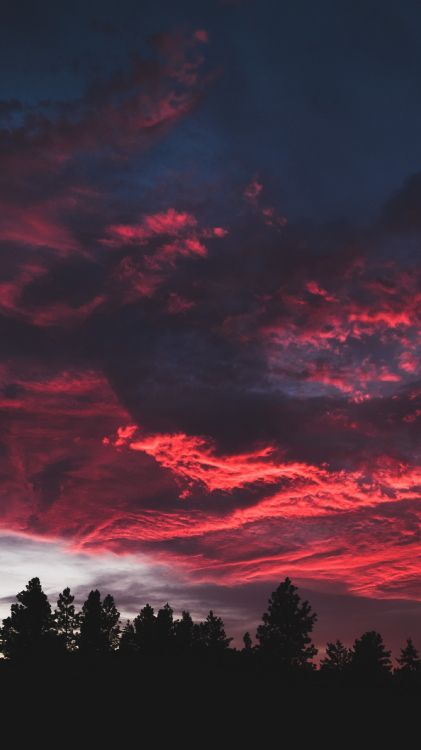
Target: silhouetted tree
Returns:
[[248, 654], [29, 631], [212, 634], [66, 619], [110, 623], [284, 636], [185, 633], [91, 638], [165, 629], [408, 674], [248, 644], [409, 660], [99, 628], [145, 630], [338, 658], [371, 660], [128, 643]]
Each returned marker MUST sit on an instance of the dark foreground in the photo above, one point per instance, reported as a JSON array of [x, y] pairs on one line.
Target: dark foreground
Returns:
[[103, 706]]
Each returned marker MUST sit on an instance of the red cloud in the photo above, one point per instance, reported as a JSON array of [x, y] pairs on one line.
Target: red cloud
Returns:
[[113, 119], [310, 333], [165, 236], [351, 378], [170, 222], [252, 195], [194, 460], [116, 113], [36, 226], [51, 314], [314, 288], [61, 480], [177, 304], [253, 190]]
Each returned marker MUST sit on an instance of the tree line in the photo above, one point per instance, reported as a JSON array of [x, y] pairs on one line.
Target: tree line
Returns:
[[36, 631]]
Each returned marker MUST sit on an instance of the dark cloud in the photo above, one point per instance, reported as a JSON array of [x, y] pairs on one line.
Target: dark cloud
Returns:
[[48, 482]]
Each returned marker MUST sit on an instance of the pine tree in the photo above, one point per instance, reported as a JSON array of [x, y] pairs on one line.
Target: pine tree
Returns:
[[185, 633], [248, 645], [91, 639], [248, 653], [145, 630], [99, 624], [338, 658], [66, 619], [110, 619], [212, 634], [409, 660], [127, 644], [165, 623], [165, 630], [284, 636], [29, 630], [371, 660]]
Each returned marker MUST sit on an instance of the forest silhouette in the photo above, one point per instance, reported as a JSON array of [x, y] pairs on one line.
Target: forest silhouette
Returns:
[[94, 638]]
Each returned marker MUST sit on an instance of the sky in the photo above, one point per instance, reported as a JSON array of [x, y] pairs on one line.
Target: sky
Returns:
[[210, 306]]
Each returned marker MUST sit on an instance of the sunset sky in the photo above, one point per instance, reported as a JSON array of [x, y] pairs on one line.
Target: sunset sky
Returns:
[[210, 306]]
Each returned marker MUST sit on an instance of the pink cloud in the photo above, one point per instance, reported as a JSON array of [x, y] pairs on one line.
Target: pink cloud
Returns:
[[164, 237], [253, 190], [37, 226], [177, 304]]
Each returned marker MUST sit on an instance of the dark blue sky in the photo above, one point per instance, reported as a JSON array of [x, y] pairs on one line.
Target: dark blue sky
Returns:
[[322, 98]]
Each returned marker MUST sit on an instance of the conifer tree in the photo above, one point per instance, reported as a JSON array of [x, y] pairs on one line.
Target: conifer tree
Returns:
[[212, 634], [409, 660], [284, 636], [66, 619], [29, 631], [185, 632], [99, 624], [338, 658], [165, 623], [91, 639], [371, 660], [127, 644], [110, 623], [248, 645], [145, 630]]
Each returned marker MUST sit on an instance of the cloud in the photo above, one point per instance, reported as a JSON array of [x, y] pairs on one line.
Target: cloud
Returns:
[[51, 187]]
